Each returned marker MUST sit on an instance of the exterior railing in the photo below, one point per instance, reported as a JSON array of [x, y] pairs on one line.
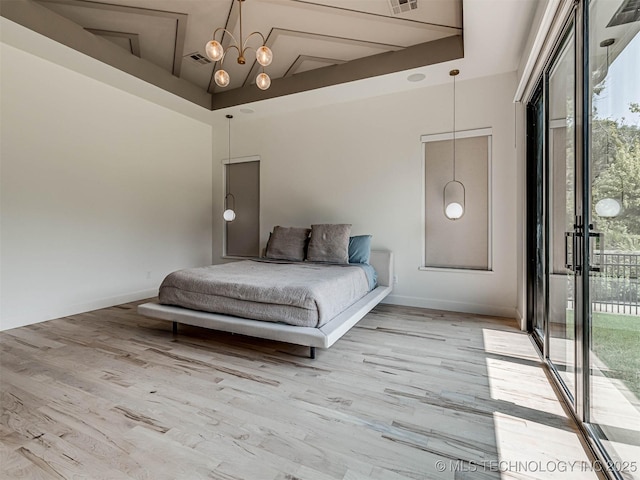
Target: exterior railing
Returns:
[[615, 288]]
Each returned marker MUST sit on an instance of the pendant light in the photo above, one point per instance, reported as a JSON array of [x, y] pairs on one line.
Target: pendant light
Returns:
[[600, 73], [229, 213], [453, 194], [607, 207], [216, 52]]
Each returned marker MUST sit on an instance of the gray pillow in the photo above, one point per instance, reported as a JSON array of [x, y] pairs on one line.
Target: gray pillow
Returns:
[[329, 243], [287, 243]]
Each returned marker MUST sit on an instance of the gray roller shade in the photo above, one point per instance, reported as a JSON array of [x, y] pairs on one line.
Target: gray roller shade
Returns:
[[243, 234]]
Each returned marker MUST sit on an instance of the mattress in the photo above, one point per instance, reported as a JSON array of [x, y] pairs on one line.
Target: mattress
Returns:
[[296, 293]]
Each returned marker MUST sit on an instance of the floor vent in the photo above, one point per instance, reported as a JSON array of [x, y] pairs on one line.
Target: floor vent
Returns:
[[197, 58], [402, 6], [628, 12]]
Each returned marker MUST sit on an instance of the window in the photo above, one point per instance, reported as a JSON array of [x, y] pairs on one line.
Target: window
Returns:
[[464, 243], [242, 180]]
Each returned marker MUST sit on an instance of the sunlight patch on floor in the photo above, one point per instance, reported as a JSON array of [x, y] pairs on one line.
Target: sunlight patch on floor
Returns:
[[558, 454], [524, 400]]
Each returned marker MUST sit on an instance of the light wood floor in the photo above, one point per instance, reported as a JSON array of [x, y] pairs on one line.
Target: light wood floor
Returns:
[[406, 394]]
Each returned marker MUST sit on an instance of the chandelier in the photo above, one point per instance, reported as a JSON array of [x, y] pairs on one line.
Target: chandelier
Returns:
[[216, 52]]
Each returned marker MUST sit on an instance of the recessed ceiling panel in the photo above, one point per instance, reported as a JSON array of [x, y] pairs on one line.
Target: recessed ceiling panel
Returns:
[[322, 29], [127, 41], [435, 12], [157, 35], [304, 35], [305, 63], [290, 45]]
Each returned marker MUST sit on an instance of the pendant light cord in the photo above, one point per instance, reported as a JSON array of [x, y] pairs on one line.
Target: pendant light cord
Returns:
[[454, 73], [607, 43], [454, 128], [241, 45], [226, 198]]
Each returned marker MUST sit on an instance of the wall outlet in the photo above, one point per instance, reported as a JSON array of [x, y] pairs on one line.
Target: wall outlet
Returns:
[[149, 275], [395, 279]]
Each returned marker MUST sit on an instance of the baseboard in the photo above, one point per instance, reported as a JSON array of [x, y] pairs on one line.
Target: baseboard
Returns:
[[51, 314], [481, 309], [42, 315], [521, 320]]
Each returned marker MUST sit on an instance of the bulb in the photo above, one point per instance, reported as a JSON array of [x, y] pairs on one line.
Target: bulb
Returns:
[[454, 211], [214, 50], [229, 215], [264, 55], [263, 81], [222, 78], [608, 208]]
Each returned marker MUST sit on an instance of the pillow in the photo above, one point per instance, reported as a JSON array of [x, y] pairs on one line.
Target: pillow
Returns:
[[266, 247], [359, 249], [329, 243], [287, 243]]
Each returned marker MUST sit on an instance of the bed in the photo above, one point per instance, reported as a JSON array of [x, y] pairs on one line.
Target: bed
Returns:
[[323, 331]]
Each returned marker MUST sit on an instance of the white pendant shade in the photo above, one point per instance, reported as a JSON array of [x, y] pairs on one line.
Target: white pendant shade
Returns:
[[454, 200], [214, 50], [263, 81], [608, 208], [229, 215], [264, 55], [454, 211], [222, 78]]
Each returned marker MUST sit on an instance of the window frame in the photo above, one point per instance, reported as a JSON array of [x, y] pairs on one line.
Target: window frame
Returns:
[[427, 138], [231, 161]]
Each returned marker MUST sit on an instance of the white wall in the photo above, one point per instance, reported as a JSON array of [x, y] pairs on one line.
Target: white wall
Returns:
[[542, 21], [102, 193], [360, 163]]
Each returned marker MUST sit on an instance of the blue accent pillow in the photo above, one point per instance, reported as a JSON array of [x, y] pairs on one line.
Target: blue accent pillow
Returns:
[[359, 249]]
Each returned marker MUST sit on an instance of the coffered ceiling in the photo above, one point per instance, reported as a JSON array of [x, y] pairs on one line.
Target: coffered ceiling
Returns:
[[315, 43]]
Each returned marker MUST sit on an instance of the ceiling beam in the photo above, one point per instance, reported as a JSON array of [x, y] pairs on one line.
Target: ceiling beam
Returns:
[[429, 53]]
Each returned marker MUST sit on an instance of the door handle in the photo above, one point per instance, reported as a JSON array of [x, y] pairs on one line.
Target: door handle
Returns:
[[572, 260], [569, 263], [598, 238]]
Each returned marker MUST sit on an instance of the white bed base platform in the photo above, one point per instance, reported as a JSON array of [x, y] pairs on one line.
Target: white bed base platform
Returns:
[[323, 337]]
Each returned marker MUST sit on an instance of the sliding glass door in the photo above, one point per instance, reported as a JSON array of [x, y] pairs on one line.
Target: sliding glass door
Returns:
[[614, 187], [584, 225], [536, 191], [561, 212]]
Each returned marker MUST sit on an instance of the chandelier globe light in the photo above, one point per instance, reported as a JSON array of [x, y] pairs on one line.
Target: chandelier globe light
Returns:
[[217, 53]]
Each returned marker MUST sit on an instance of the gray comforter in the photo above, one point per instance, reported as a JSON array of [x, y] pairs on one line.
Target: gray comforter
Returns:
[[300, 294]]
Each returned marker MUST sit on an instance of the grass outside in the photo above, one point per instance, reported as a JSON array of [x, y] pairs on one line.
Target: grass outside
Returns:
[[615, 339]]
